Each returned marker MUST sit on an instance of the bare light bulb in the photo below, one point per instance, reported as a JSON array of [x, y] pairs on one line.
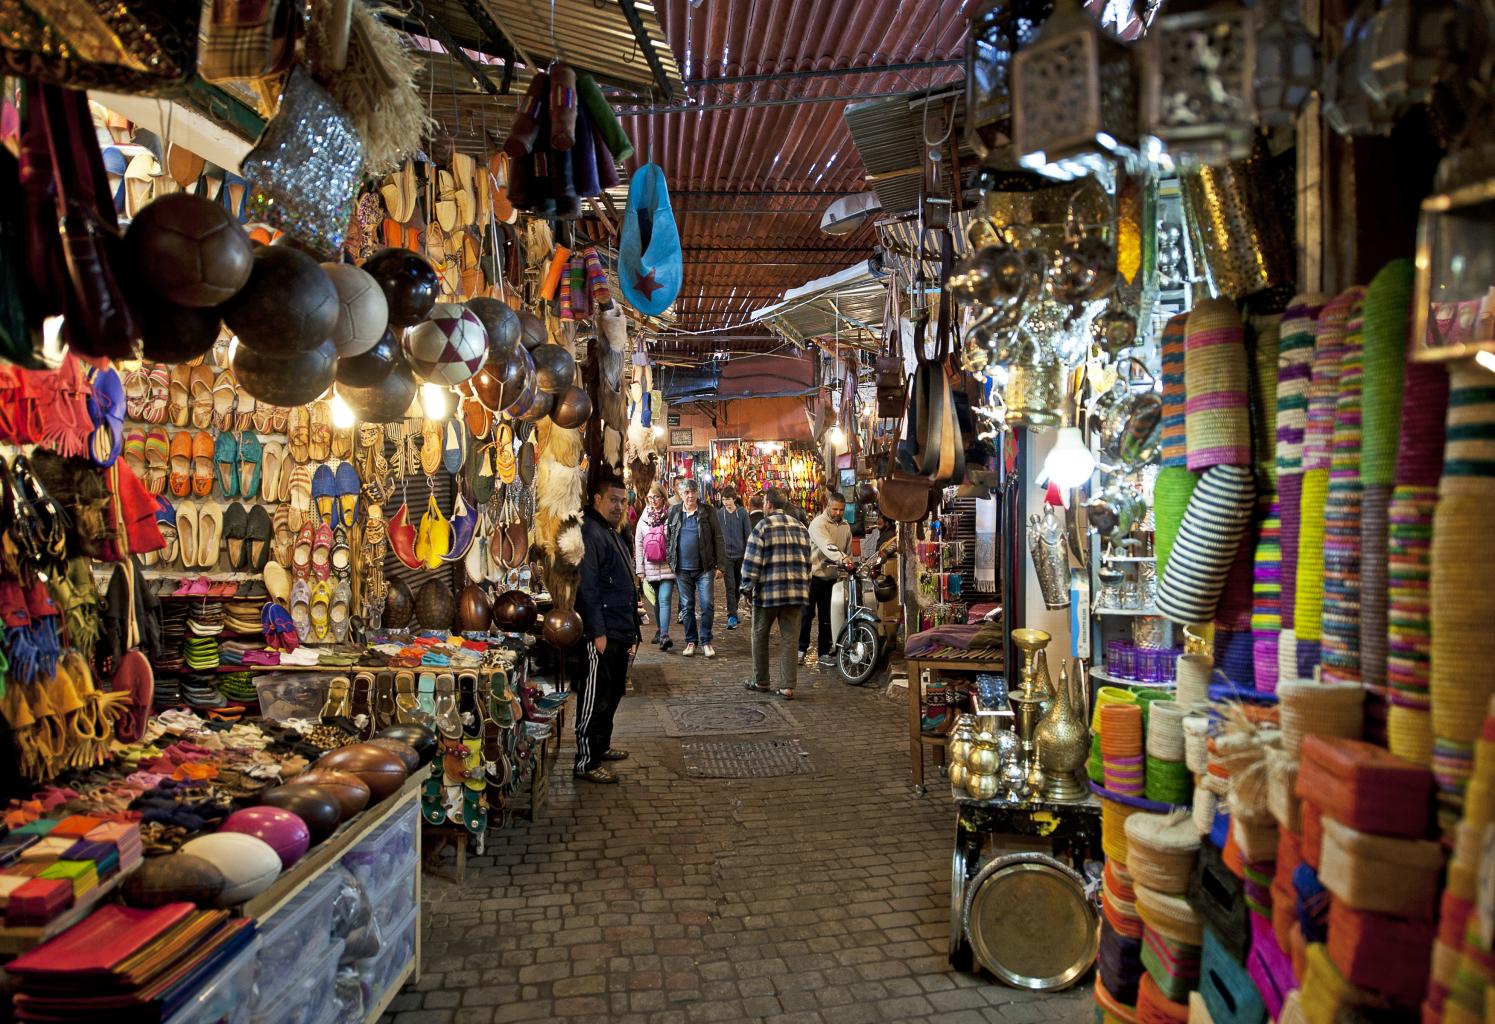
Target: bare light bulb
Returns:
[[1069, 463], [435, 401], [343, 417], [836, 435]]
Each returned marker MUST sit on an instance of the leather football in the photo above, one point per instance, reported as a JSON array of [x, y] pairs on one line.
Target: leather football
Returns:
[[386, 400], [189, 251], [435, 608], [286, 833], [249, 865], [170, 333], [555, 368], [407, 754], [410, 286], [285, 379], [351, 792], [540, 408], [372, 365], [381, 770], [474, 612], [399, 605], [515, 611], [487, 384], [501, 323], [174, 878], [420, 738], [288, 306], [319, 808], [516, 378], [531, 330], [573, 407], [561, 629]]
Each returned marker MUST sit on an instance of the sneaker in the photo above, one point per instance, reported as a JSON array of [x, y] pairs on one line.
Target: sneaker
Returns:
[[731, 622], [826, 661], [708, 650], [806, 658], [689, 652], [657, 639], [599, 775], [666, 644]]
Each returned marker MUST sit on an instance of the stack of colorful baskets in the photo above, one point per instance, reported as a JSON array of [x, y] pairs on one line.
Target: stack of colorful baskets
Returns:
[[1341, 602], [1122, 764], [1163, 849]]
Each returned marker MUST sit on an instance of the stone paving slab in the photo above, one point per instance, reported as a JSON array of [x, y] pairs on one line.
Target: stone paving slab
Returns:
[[801, 899]]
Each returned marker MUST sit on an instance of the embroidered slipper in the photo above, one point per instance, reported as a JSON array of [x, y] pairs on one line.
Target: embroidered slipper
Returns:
[[301, 609], [246, 408], [301, 552], [299, 489], [209, 534], [137, 393], [323, 496], [258, 534], [178, 395], [134, 454], [346, 489], [157, 461], [319, 445], [338, 610], [321, 552], [181, 463], [262, 418], [321, 604], [298, 433], [454, 446], [272, 458], [251, 455], [158, 383], [226, 463], [285, 537], [430, 446], [280, 418], [201, 385], [342, 443], [225, 399], [235, 532]]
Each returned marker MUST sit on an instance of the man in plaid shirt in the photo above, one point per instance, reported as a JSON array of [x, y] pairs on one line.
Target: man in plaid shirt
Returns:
[[776, 570]]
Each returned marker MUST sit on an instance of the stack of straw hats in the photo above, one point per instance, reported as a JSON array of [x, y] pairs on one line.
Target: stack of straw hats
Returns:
[[1211, 532], [1217, 382], [1341, 603], [1294, 370], [1462, 600], [1324, 709]]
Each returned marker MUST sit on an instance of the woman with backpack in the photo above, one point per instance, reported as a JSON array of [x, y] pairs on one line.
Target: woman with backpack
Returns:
[[651, 561]]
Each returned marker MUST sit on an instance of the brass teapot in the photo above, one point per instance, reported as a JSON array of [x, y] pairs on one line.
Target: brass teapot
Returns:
[[1063, 736]]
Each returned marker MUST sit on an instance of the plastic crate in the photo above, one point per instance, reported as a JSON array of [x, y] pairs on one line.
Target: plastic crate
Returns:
[[227, 996], [379, 972], [390, 850], [307, 997], [393, 901], [298, 934], [288, 695]]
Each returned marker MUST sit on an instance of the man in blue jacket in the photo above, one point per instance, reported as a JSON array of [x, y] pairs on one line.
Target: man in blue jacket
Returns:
[[608, 605]]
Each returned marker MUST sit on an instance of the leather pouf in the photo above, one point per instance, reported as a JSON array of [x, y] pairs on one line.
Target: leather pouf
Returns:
[[189, 250], [249, 865], [501, 323], [435, 608], [407, 754], [410, 285], [474, 611], [399, 605], [516, 612], [362, 309], [286, 380], [381, 770], [318, 807], [351, 792], [561, 629], [288, 306], [386, 400], [555, 368], [531, 330], [284, 831], [573, 407], [174, 878], [420, 738], [174, 334]]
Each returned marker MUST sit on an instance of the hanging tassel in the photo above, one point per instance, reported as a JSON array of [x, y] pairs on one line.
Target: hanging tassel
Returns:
[[22, 654]]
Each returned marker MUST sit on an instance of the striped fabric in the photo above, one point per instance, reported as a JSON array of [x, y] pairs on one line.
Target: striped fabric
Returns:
[[1266, 603], [1219, 512], [1308, 597], [1175, 437], [1217, 379], [1342, 506]]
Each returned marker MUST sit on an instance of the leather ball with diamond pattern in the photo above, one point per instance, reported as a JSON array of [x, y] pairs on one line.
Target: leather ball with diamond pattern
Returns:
[[447, 347]]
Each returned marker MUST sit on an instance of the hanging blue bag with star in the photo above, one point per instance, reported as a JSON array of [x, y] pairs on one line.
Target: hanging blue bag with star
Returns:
[[649, 259]]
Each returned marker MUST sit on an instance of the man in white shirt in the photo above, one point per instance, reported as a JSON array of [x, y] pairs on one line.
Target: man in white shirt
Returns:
[[830, 552]]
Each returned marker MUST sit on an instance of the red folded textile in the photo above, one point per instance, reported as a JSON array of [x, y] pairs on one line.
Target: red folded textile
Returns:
[[101, 941]]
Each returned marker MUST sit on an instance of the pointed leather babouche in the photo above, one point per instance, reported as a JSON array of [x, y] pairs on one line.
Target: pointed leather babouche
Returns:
[[649, 267]]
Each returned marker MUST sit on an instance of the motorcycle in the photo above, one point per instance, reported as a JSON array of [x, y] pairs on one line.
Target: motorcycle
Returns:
[[863, 638]]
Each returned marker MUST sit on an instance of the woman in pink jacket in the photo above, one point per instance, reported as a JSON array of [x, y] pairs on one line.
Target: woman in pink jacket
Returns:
[[651, 563]]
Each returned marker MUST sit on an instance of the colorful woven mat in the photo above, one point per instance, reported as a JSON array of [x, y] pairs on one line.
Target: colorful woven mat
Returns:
[[1218, 413], [1175, 436], [1388, 302], [1213, 525]]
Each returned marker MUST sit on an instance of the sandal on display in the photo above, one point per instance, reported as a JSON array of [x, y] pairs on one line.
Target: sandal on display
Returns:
[[320, 438], [385, 708], [137, 391], [251, 456], [179, 397], [284, 537], [263, 418], [258, 534], [209, 534], [425, 697], [323, 484], [301, 608], [342, 443], [298, 433], [158, 380], [202, 463], [181, 463], [321, 553], [301, 553], [134, 454], [448, 718], [201, 383], [299, 483], [246, 407], [235, 532], [407, 709], [339, 702], [226, 462], [430, 447], [157, 461], [225, 396]]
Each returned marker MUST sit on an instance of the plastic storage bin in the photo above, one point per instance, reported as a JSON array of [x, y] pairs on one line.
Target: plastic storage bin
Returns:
[[307, 996], [288, 695], [389, 851], [227, 996], [379, 972], [298, 934], [391, 903]]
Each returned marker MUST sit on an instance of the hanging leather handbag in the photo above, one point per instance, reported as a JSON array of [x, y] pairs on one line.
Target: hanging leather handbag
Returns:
[[891, 389], [941, 451]]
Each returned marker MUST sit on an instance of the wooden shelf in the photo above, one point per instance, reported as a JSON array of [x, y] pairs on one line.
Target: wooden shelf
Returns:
[[1132, 612]]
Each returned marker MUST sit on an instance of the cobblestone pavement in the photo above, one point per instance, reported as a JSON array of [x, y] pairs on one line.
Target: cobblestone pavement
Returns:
[[802, 899]]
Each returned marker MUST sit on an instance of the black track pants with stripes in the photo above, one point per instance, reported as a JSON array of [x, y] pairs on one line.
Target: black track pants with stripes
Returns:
[[598, 694]]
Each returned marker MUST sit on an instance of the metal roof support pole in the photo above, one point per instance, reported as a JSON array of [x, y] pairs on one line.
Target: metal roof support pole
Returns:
[[790, 76], [645, 44], [449, 43]]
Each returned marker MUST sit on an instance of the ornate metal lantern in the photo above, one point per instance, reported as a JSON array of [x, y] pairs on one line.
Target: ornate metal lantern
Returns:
[[1348, 107], [1074, 96], [1198, 82], [1287, 63], [1412, 46]]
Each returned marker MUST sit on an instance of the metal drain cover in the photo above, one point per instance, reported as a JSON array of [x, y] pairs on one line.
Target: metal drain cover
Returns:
[[724, 717], [760, 759]]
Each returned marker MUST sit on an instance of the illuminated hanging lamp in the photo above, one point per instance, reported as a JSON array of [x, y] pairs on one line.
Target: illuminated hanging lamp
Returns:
[[1287, 63], [1198, 83], [1074, 97]]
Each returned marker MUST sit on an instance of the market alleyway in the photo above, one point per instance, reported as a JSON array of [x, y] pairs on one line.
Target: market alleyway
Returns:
[[817, 898]]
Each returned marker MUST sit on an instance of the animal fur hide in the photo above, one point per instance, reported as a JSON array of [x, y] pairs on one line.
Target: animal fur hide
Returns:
[[610, 353], [559, 497]]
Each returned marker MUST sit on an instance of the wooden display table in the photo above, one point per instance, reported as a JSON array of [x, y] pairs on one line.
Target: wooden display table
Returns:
[[981, 660]]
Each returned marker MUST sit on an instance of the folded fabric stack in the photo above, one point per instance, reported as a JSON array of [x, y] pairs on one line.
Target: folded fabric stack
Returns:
[[206, 619], [121, 963], [200, 653], [167, 692], [47, 864], [242, 616], [173, 633], [232, 652], [238, 687], [201, 690]]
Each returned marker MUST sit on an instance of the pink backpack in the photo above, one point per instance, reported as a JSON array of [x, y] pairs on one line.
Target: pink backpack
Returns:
[[655, 549]]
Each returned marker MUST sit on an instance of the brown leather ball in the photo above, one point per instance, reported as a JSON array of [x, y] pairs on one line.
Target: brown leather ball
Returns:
[[501, 323], [487, 386], [189, 250], [399, 605], [351, 792], [174, 878], [474, 611], [316, 805], [435, 608], [516, 611], [386, 400], [287, 380], [407, 754], [572, 408], [170, 333], [381, 770], [420, 738], [561, 629], [410, 285], [555, 368], [517, 377], [532, 329], [539, 408], [288, 306]]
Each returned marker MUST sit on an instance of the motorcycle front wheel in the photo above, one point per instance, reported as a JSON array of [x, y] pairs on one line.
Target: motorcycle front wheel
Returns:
[[856, 659]]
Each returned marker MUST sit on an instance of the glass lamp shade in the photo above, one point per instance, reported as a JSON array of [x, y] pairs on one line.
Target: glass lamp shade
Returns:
[[1287, 63], [1074, 97], [1411, 46], [1198, 82], [1349, 107]]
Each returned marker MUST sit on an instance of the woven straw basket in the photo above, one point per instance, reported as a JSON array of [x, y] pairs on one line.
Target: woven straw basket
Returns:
[[1160, 850]]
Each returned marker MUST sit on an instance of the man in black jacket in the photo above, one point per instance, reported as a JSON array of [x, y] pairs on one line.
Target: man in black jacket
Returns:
[[608, 606], [693, 541]]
